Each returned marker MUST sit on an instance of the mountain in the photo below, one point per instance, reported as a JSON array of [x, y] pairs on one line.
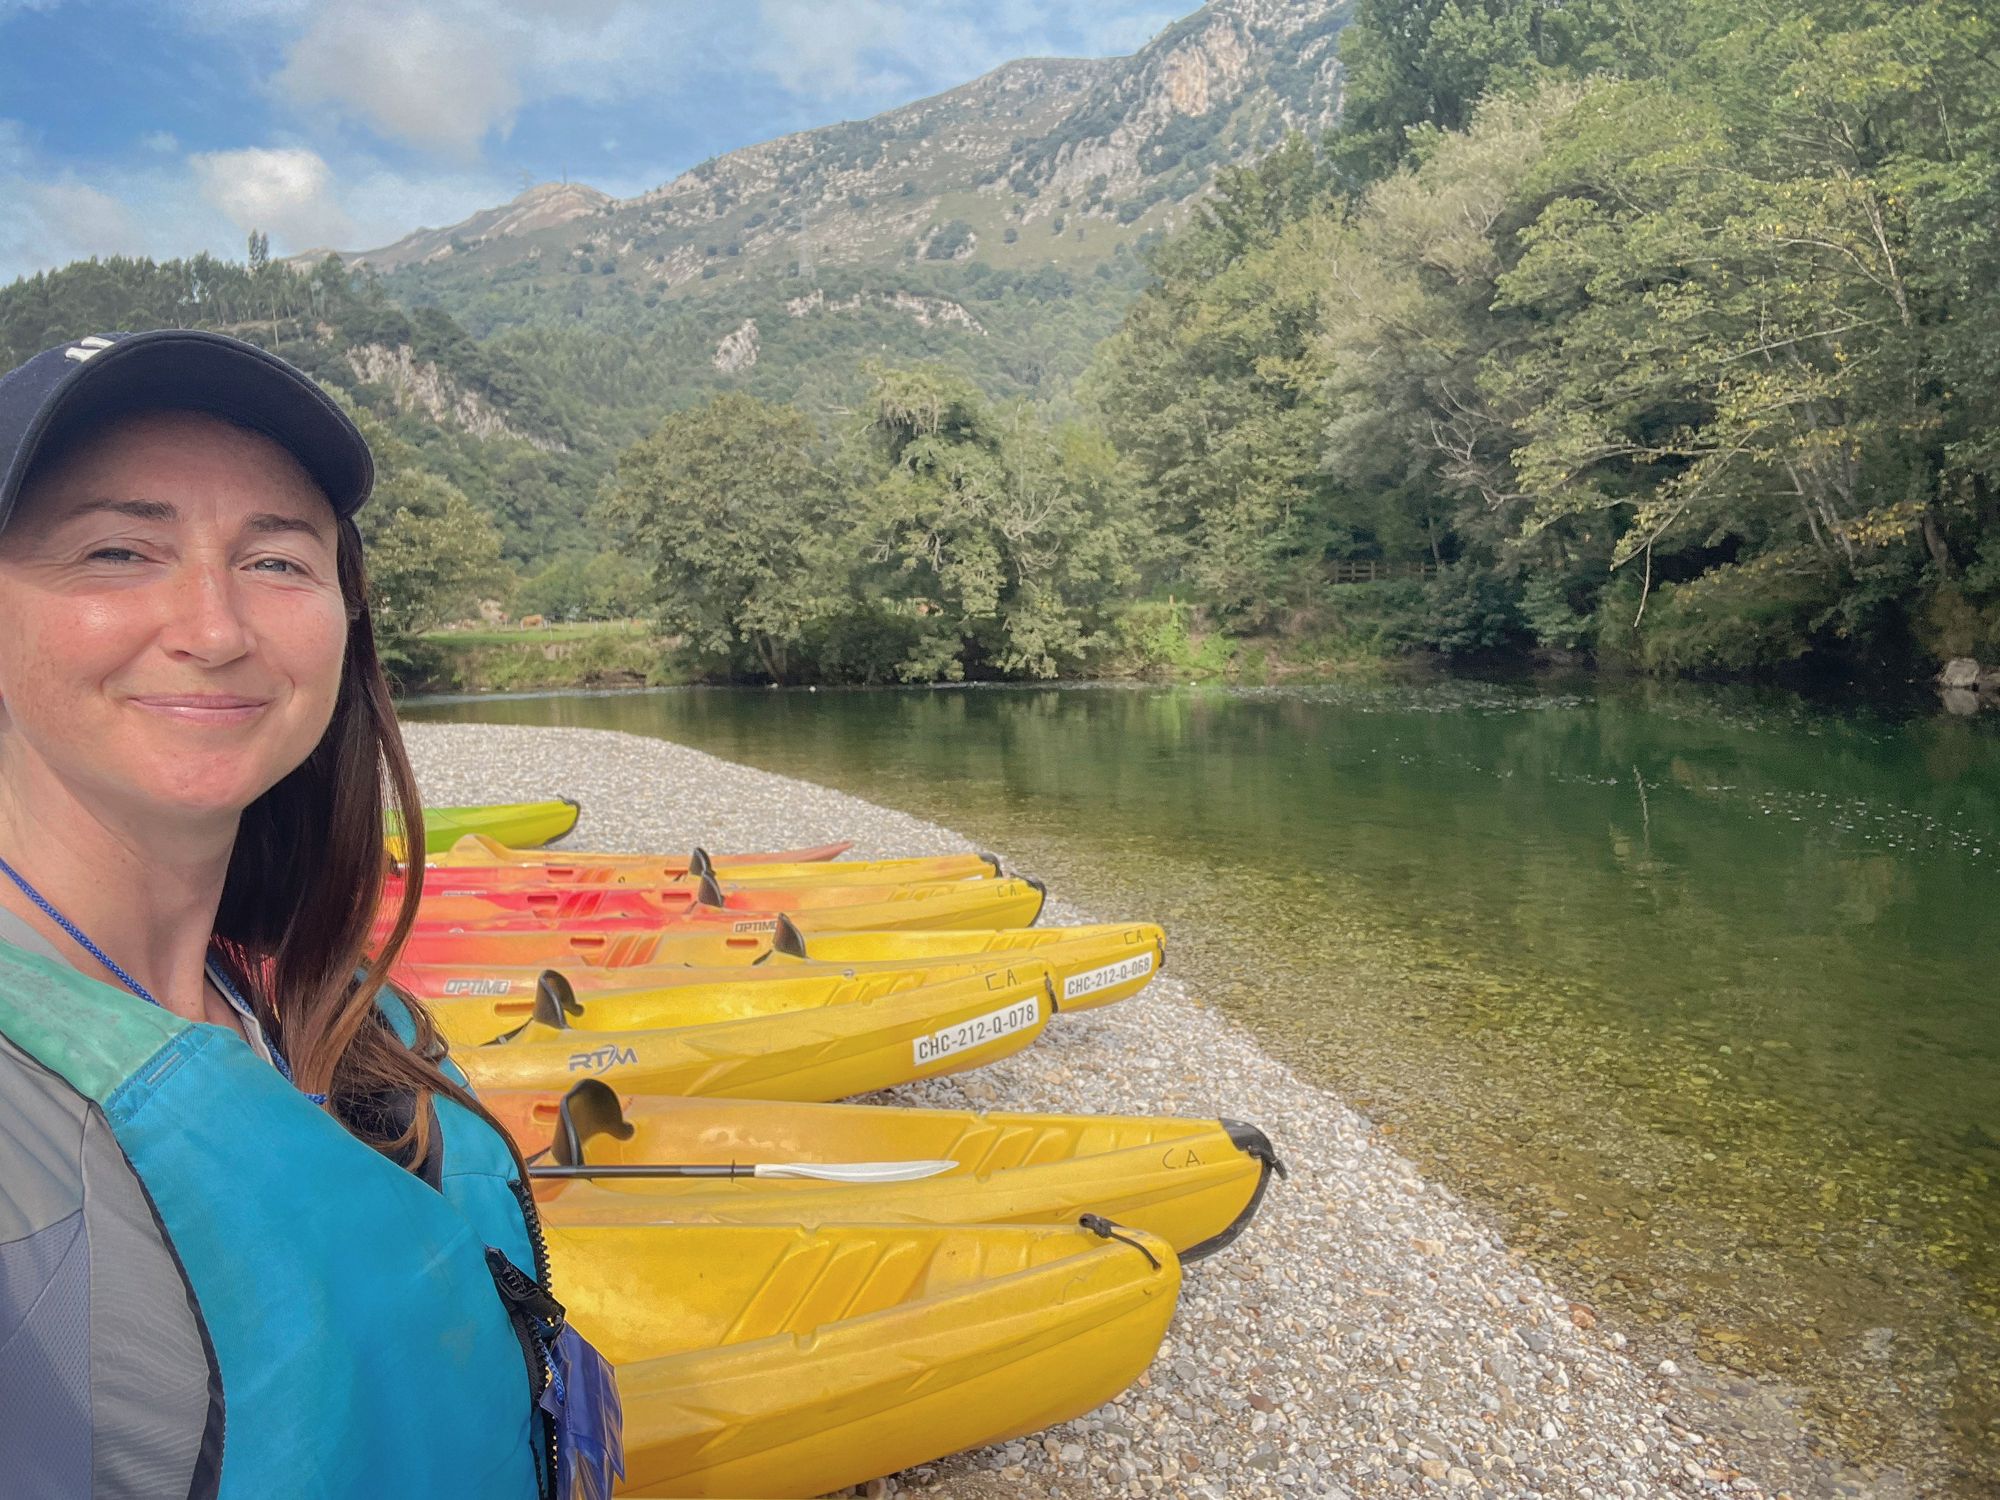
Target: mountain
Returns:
[[991, 228], [1039, 162]]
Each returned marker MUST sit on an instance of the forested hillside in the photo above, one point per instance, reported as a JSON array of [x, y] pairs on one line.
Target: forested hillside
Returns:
[[1660, 336], [1668, 333], [1665, 336]]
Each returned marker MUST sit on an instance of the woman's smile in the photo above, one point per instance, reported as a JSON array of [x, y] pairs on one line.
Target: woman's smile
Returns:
[[222, 709]]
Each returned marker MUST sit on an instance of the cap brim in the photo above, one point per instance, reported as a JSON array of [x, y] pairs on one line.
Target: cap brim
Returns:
[[187, 369]]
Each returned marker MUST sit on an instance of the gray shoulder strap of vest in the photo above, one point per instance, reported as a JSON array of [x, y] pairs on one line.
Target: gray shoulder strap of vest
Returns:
[[107, 1385], [16, 931]]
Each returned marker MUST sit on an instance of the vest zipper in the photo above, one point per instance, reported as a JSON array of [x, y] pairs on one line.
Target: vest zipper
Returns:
[[538, 1249]]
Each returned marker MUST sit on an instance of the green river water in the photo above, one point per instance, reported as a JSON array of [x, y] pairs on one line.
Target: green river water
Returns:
[[1698, 992]]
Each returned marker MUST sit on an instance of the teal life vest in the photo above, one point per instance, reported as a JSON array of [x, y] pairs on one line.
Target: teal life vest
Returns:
[[208, 1287]]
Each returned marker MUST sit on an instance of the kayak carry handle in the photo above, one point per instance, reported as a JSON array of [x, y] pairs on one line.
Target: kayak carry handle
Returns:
[[788, 940], [589, 1109], [555, 1000]]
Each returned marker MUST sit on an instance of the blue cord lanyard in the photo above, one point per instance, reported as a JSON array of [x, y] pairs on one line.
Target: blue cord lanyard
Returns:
[[215, 974]]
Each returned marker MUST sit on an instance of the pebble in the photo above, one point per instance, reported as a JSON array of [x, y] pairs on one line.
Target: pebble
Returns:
[[1350, 1345]]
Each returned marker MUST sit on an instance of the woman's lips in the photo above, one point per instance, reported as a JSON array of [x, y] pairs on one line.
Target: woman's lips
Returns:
[[201, 708]]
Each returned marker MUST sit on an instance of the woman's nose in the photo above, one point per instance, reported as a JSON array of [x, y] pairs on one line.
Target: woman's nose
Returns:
[[205, 616]]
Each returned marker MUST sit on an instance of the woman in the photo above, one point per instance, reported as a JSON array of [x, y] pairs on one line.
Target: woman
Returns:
[[256, 1237]]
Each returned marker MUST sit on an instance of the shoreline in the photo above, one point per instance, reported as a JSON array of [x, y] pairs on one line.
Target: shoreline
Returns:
[[1370, 1334]]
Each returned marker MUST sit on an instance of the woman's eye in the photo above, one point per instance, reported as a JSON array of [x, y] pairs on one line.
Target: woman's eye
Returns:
[[277, 565]]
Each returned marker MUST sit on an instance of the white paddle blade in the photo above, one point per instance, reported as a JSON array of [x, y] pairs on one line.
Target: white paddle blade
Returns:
[[856, 1171]]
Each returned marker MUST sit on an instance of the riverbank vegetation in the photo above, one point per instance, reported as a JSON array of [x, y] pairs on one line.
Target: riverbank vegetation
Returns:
[[1662, 336], [535, 658]]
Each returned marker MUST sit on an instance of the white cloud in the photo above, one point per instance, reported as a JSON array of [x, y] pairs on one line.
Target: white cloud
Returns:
[[165, 142], [54, 217], [71, 219], [168, 205], [446, 75], [285, 191], [435, 82]]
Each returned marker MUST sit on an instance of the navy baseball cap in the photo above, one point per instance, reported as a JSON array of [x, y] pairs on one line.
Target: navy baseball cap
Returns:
[[179, 369]]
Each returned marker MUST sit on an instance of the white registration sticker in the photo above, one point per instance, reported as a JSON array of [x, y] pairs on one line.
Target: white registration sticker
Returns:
[[1136, 967], [976, 1032]]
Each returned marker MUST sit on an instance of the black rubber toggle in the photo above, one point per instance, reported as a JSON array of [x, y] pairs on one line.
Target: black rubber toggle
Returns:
[[1104, 1229]]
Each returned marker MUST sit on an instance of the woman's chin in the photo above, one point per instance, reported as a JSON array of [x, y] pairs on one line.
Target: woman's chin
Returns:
[[213, 794]]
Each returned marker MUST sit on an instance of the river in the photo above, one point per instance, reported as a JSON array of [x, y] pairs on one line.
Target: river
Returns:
[[1698, 991]]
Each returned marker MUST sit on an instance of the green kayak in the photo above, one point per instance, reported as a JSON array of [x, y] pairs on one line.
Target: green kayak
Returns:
[[519, 825]]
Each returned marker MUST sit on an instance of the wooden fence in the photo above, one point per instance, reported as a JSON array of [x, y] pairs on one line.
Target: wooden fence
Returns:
[[1369, 570]]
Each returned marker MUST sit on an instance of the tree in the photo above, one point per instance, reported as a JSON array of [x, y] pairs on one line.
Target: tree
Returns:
[[432, 554], [1747, 288], [1212, 390], [1004, 537], [1423, 65], [1408, 324], [732, 503]]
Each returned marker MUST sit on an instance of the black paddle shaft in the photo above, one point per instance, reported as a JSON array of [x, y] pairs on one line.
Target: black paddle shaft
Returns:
[[647, 1169]]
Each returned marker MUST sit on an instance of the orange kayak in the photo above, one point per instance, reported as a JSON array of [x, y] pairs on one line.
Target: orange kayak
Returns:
[[669, 871], [475, 849]]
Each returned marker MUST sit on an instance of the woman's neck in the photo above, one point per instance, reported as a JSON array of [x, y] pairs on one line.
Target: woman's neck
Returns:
[[145, 890]]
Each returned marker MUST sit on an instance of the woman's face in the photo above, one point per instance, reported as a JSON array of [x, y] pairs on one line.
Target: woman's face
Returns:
[[171, 623]]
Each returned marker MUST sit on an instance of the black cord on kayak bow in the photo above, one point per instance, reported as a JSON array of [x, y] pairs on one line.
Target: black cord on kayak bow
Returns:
[[1104, 1229]]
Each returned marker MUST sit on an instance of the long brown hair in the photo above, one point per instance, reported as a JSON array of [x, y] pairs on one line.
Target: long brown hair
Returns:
[[300, 899]]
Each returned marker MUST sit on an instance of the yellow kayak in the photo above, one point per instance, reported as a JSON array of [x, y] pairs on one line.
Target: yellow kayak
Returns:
[[1092, 985], [946, 905], [1194, 1183], [514, 824], [474, 1005], [816, 1055], [765, 1360]]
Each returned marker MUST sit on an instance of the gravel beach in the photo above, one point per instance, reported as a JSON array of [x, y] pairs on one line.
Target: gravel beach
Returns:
[[1370, 1335]]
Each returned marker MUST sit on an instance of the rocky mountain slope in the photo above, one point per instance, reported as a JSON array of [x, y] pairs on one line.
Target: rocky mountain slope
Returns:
[[1039, 161]]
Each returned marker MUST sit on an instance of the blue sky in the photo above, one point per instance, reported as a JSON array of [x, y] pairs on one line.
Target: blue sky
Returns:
[[163, 127]]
